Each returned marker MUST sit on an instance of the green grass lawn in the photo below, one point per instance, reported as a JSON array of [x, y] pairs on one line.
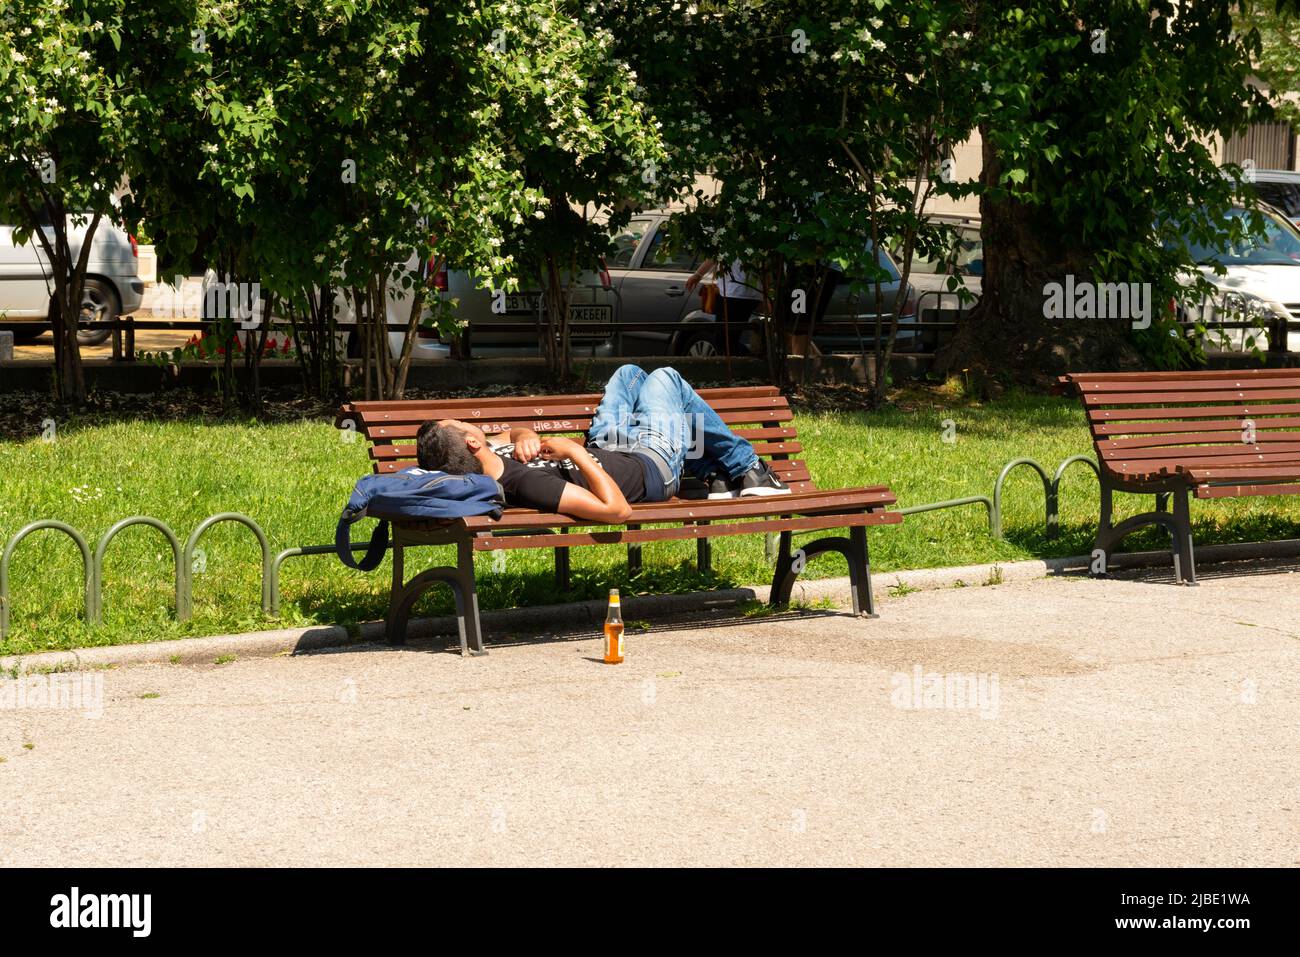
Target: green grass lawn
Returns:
[[294, 478]]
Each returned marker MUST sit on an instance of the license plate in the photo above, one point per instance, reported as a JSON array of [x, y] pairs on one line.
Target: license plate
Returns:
[[524, 305], [521, 304], [591, 313]]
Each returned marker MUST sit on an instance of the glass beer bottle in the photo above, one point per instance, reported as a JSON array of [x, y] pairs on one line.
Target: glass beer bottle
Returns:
[[614, 630]]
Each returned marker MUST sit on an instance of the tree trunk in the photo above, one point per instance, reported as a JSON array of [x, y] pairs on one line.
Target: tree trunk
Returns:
[[408, 341], [1008, 333], [65, 310]]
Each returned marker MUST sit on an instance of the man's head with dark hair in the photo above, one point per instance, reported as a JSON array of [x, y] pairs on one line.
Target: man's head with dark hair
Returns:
[[445, 448]]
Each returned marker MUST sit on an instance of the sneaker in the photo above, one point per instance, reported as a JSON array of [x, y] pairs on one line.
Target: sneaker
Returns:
[[761, 480], [722, 487], [694, 488]]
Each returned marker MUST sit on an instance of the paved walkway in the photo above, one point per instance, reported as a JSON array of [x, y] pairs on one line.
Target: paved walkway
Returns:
[[1116, 722]]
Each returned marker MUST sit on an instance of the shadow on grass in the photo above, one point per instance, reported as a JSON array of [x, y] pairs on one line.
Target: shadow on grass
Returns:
[[1014, 413]]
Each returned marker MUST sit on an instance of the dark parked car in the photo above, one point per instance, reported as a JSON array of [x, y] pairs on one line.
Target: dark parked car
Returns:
[[651, 279], [854, 312]]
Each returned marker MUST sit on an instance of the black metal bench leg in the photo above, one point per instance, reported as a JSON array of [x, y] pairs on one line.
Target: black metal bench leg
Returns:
[[633, 555], [783, 577], [864, 603], [1103, 542], [562, 566], [1184, 559], [396, 637], [854, 549], [1178, 525], [461, 581], [466, 592], [704, 556]]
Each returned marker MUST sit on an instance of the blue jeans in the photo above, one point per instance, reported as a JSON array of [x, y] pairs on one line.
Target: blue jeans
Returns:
[[659, 412]]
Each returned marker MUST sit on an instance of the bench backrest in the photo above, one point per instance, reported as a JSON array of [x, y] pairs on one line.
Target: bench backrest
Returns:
[[1147, 420], [758, 413]]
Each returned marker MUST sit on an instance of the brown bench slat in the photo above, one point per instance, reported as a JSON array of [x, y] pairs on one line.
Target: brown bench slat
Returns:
[[1157, 428], [1222, 395], [704, 510], [1220, 384], [482, 402], [1283, 459], [685, 532], [520, 407], [1191, 439], [799, 480], [1246, 491], [1079, 378], [1156, 470], [1188, 452], [683, 511], [1245, 472], [541, 409], [1203, 412], [777, 433], [388, 452], [796, 476], [565, 425]]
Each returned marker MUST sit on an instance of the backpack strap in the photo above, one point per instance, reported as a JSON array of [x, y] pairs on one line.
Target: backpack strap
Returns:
[[374, 550]]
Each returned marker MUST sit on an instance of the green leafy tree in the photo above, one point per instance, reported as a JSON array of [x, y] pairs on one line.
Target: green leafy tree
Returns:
[[572, 122], [328, 145], [342, 145], [1095, 125], [1278, 61], [75, 101], [824, 125]]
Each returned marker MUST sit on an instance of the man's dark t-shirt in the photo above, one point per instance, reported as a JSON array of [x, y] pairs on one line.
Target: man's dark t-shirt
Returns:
[[540, 483]]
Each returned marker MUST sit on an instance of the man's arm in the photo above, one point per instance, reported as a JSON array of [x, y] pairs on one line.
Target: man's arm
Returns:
[[706, 267], [527, 443], [603, 501]]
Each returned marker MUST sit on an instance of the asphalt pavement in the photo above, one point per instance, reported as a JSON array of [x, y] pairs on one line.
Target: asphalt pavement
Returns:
[[1059, 721]]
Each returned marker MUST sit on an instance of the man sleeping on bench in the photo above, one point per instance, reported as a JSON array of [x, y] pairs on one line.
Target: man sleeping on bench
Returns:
[[649, 429]]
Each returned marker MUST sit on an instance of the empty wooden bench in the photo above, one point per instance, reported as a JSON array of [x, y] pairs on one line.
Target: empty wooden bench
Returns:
[[1183, 434], [760, 414]]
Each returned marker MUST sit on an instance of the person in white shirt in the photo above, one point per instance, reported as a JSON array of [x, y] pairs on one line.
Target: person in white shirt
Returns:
[[737, 297]]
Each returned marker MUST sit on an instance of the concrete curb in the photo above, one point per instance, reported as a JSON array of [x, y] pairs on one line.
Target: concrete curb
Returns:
[[588, 615]]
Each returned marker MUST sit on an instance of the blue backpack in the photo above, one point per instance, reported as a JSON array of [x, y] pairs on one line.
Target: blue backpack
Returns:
[[412, 493]]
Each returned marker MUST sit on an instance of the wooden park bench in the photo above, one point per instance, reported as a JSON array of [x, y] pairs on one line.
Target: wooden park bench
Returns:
[[760, 414], [1179, 434]]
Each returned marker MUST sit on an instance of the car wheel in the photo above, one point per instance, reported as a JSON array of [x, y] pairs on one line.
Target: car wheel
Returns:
[[700, 345], [98, 304]]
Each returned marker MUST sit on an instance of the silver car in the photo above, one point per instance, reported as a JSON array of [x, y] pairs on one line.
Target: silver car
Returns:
[[113, 287], [1280, 188], [930, 274], [650, 277], [1260, 285]]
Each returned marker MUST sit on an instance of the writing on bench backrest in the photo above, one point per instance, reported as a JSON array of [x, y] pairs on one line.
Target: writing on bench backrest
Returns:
[[548, 425]]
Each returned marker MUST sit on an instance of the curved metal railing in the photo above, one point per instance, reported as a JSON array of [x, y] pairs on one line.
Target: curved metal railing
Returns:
[[183, 555]]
